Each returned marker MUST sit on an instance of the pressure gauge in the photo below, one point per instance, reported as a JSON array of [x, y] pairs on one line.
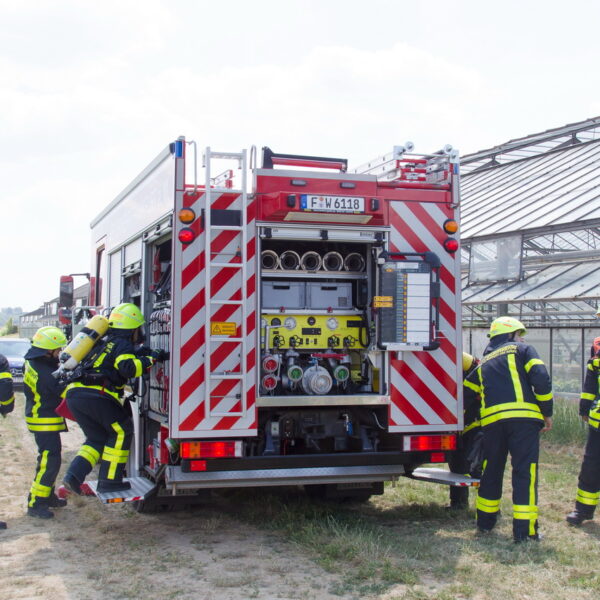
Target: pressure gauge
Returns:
[[263, 323], [276, 322], [332, 323], [290, 323]]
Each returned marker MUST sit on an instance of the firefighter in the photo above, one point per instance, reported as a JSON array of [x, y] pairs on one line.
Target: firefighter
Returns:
[[588, 485], [461, 460], [42, 396], [516, 403], [7, 396], [97, 402]]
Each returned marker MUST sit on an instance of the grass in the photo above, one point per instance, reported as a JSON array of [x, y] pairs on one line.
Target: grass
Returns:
[[404, 544], [399, 545], [568, 428]]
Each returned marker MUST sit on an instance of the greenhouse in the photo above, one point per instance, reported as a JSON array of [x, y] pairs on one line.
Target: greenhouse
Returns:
[[531, 243]]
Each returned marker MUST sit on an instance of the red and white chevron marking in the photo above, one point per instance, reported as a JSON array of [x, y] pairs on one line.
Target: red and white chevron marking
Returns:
[[425, 384], [225, 414]]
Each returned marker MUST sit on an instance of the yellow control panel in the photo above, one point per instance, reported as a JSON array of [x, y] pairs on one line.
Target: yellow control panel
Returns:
[[314, 332]]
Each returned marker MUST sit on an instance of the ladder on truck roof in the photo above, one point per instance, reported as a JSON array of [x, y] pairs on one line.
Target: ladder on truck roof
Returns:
[[217, 222]]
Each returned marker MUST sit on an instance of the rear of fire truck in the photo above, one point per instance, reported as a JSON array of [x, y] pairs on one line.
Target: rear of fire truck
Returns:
[[311, 314]]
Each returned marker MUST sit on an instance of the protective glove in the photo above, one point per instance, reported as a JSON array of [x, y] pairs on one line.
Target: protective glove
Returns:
[[159, 355]]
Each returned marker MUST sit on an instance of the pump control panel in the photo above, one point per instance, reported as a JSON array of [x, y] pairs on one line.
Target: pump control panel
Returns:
[[404, 305]]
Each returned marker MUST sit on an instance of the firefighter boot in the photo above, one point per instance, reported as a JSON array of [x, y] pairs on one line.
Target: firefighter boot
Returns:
[[108, 485], [55, 502], [41, 512], [576, 518], [72, 484]]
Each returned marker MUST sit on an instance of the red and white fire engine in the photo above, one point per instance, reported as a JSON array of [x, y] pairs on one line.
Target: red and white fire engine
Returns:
[[311, 312]]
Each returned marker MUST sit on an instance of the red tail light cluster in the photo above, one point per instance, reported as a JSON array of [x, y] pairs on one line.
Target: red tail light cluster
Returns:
[[226, 449], [186, 235], [417, 443]]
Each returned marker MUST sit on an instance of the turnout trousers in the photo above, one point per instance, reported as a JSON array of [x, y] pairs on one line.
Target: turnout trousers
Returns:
[[47, 468], [108, 430], [588, 485], [520, 438]]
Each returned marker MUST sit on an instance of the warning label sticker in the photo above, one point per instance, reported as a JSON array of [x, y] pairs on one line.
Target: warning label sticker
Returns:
[[222, 328]]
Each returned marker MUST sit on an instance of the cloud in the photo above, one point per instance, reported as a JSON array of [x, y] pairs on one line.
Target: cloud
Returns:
[[92, 92]]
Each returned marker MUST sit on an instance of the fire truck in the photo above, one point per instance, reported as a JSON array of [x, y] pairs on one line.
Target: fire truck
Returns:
[[311, 313]]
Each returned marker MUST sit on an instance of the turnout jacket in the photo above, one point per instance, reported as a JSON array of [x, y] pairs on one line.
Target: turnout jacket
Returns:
[[512, 381], [7, 397], [589, 403], [42, 393], [115, 361]]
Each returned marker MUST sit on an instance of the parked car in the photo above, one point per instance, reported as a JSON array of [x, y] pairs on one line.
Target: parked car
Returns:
[[15, 349]]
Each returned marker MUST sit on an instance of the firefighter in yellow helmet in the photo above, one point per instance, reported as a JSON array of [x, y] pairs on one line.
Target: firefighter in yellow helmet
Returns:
[[7, 396], [464, 460], [97, 401], [42, 396], [588, 484], [516, 404]]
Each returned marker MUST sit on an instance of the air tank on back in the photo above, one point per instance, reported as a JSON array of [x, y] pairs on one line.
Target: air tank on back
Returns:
[[82, 343]]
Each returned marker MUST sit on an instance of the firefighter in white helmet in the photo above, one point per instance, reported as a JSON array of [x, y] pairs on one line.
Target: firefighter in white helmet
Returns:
[[42, 397], [97, 401], [516, 403]]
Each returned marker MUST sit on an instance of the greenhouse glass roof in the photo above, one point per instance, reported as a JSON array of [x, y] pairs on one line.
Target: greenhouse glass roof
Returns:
[[530, 228]]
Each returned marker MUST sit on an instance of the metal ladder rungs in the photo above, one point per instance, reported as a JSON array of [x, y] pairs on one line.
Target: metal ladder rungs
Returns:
[[224, 190], [232, 155], [227, 302], [217, 260], [226, 227], [227, 265]]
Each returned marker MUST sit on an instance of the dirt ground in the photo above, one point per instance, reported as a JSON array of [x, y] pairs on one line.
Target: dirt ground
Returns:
[[90, 551]]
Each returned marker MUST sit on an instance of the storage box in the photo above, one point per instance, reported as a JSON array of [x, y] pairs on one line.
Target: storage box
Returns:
[[326, 295], [289, 294]]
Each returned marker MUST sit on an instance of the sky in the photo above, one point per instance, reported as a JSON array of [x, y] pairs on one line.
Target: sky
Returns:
[[91, 92]]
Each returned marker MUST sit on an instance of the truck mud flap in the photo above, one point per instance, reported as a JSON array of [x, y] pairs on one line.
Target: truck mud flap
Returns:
[[141, 489], [442, 476]]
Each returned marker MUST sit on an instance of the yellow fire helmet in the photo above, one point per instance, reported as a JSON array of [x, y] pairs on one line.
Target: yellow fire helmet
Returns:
[[468, 361], [506, 325], [126, 316], [49, 338]]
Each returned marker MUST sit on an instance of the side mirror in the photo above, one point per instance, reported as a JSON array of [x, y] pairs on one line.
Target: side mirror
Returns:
[[65, 296]]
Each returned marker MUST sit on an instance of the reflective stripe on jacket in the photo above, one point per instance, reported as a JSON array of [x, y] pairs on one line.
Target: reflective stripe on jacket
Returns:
[[42, 395], [589, 404], [118, 362], [512, 381], [7, 396]]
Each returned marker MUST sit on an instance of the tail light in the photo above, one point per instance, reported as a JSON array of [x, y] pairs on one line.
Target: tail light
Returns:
[[451, 245], [418, 443], [450, 226], [186, 235], [227, 449]]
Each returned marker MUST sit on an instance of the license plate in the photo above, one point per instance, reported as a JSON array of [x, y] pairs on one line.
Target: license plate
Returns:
[[337, 204]]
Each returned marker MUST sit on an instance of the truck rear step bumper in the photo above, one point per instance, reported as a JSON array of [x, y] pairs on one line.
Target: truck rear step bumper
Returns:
[[176, 479], [140, 489], [442, 476]]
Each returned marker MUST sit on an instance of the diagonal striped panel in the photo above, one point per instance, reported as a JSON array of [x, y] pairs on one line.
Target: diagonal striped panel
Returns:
[[425, 385], [194, 417]]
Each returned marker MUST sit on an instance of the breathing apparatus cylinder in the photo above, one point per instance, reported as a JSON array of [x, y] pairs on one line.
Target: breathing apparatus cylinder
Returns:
[[83, 342]]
